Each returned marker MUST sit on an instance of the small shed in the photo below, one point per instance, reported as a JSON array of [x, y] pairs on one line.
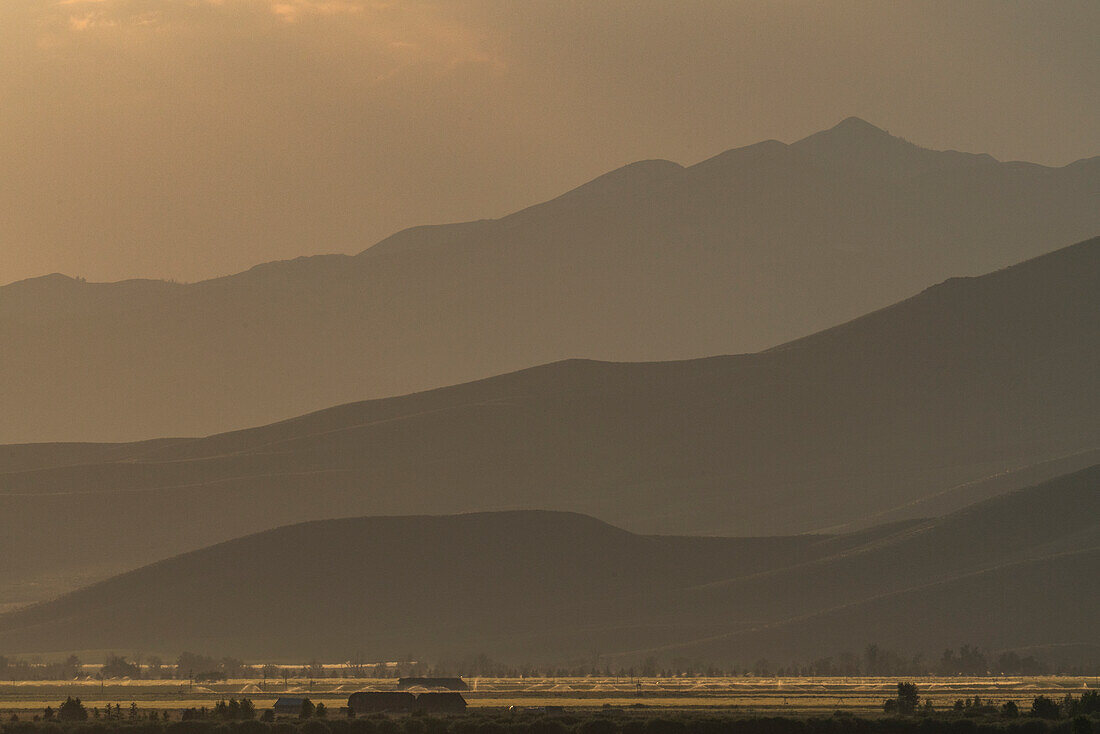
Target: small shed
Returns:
[[447, 684], [441, 702], [377, 702], [288, 706]]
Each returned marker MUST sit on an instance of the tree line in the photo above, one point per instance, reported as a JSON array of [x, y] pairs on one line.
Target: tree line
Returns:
[[965, 660], [1082, 710]]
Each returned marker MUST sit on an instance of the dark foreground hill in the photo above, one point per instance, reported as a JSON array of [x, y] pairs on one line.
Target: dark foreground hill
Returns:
[[654, 261], [1012, 572], [968, 390]]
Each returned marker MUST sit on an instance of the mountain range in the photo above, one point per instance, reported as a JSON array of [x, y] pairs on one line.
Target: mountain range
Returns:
[[1012, 572], [654, 261], [971, 389]]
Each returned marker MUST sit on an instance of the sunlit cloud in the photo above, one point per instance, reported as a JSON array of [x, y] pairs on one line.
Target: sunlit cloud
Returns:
[[385, 36], [86, 21], [292, 11]]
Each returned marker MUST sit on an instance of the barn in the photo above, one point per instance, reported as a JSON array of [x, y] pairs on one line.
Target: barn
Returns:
[[377, 702], [447, 684], [287, 706], [441, 702]]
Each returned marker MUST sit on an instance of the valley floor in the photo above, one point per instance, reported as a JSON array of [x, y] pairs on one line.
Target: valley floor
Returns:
[[750, 696]]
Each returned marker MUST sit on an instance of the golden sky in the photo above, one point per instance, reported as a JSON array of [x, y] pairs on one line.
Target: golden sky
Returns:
[[190, 138]]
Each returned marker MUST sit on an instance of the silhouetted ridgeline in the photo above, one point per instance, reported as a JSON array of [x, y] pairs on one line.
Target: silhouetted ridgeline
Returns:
[[548, 588], [973, 388], [654, 261]]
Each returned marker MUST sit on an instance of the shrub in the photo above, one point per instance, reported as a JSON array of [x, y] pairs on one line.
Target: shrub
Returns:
[[72, 710], [908, 698]]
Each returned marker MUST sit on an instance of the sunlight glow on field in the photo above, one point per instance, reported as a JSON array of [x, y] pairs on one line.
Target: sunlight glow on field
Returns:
[[805, 695]]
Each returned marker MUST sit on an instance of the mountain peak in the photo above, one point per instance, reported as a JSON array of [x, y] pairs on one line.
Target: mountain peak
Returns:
[[856, 146], [850, 133], [858, 126]]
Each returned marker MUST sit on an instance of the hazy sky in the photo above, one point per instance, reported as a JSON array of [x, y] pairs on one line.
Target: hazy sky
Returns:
[[191, 138]]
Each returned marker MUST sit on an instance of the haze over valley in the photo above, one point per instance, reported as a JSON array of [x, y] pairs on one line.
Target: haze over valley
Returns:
[[974, 387], [654, 261], [515, 367]]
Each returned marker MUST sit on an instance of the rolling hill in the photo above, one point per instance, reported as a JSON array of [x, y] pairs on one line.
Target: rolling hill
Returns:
[[654, 261], [1010, 572], [971, 389]]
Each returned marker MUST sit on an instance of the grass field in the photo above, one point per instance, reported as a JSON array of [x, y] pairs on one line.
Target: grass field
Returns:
[[755, 695]]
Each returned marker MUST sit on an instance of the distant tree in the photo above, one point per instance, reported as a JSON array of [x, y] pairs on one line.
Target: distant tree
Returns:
[[1088, 703], [155, 667], [357, 666], [232, 667], [247, 709], [1044, 708], [118, 666], [268, 716], [908, 699], [47, 714], [72, 710], [71, 667], [188, 662], [307, 709], [320, 711]]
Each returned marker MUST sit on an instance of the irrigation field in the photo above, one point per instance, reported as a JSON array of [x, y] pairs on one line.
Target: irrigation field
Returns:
[[749, 695]]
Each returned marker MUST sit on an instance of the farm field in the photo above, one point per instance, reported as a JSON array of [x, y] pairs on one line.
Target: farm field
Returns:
[[773, 696]]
